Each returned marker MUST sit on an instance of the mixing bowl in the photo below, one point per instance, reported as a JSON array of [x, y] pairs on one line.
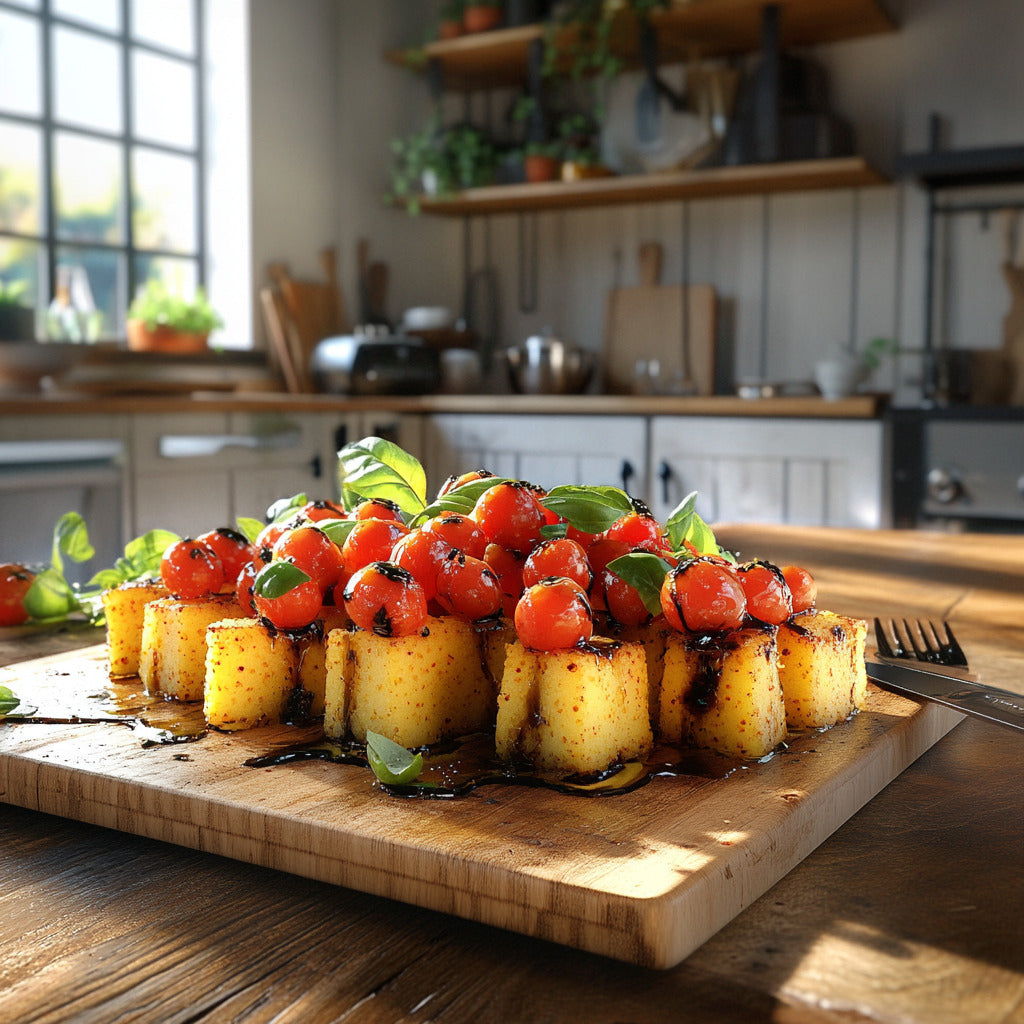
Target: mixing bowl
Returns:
[[544, 365]]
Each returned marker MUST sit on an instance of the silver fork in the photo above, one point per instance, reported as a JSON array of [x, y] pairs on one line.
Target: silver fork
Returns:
[[947, 681]]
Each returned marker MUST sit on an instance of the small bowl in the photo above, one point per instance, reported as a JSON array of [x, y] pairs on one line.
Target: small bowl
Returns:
[[546, 366]]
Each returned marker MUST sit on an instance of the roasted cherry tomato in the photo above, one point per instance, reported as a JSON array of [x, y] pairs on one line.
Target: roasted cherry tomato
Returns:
[[553, 615], [639, 529], [267, 538], [244, 587], [190, 568], [385, 599], [15, 580], [557, 557], [370, 540], [378, 508], [313, 552], [316, 511], [802, 586], [508, 567], [422, 554], [623, 601], [767, 593], [455, 481], [458, 531], [509, 515], [293, 609], [702, 595], [231, 547], [468, 588]]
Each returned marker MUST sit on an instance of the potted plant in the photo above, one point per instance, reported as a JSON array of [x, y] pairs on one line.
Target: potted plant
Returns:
[[483, 15], [450, 26], [17, 321], [842, 375], [159, 321], [542, 161]]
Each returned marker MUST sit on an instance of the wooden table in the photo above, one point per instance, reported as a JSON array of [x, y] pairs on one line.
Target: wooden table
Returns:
[[912, 911]]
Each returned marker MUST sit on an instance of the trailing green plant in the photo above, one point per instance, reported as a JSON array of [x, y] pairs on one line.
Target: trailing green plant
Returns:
[[159, 307], [12, 293], [876, 349]]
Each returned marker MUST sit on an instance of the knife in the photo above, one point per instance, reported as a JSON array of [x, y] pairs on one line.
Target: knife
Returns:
[[952, 687]]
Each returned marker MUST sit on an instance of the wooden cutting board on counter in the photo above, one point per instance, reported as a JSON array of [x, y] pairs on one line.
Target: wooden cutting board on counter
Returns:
[[644, 876], [672, 323]]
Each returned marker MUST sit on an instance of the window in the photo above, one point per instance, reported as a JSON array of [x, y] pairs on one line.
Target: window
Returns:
[[101, 155]]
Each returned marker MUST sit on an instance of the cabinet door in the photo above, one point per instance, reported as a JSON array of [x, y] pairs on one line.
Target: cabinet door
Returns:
[[804, 472], [546, 450]]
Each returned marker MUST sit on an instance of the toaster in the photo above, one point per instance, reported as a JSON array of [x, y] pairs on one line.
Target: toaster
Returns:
[[373, 361]]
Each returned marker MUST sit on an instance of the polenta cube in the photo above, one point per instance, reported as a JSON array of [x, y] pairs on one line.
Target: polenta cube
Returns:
[[415, 690], [250, 671], [722, 692], [173, 656], [123, 608], [576, 711], [821, 667]]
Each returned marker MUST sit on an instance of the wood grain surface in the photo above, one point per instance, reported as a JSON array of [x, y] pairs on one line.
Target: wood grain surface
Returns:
[[910, 912]]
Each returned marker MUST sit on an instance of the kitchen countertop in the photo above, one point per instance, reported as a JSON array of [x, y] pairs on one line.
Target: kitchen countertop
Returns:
[[911, 911], [856, 407]]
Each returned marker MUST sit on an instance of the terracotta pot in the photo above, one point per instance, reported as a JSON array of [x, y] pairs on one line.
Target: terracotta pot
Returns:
[[481, 18], [163, 339], [541, 168], [449, 30]]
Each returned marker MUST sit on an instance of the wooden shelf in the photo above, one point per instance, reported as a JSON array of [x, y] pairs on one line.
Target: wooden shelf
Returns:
[[754, 179], [698, 28]]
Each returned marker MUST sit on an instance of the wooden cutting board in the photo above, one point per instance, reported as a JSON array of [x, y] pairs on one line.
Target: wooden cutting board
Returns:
[[644, 877], [672, 323]]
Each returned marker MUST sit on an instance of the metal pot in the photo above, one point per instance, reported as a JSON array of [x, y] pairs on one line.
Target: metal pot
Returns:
[[544, 365]]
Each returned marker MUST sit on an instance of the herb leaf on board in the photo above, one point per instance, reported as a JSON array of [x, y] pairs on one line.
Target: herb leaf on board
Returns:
[[392, 763]]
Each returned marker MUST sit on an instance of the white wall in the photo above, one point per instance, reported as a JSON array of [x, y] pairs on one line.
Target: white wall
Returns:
[[325, 105]]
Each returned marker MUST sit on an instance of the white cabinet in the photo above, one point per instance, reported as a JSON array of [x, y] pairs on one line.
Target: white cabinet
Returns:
[[799, 471], [545, 450]]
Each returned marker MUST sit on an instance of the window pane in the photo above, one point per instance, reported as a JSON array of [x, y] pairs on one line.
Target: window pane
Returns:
[[164, 203], [163, 107], [180, 277], [89, 189], [21, 84], [21, 188], [105, 14], [167, 23], [87, 81], [23, 261], [95, 278]]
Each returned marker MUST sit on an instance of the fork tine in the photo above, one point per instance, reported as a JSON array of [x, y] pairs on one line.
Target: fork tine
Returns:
[[882, 641], [921, 653], [952, 650]]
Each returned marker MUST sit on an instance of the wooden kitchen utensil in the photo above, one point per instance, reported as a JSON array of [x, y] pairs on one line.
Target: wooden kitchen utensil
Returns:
[[1013, 322], [671, 323], [281, 349]]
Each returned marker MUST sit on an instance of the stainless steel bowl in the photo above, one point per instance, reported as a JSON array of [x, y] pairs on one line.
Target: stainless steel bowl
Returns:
[[543, 365]]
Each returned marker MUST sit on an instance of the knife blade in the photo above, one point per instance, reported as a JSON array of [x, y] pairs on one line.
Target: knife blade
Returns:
[[953, 688]]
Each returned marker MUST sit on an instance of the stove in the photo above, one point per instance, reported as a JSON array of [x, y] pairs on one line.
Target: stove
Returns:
[[960, 467]]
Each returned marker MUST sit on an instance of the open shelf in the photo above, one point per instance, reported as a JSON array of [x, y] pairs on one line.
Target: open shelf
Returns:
[[699, 28], [752, 179]]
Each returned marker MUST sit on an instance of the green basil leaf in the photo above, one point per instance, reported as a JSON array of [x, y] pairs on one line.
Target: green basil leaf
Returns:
[[337, 529], [142, 555], [50, 596], [645, 572], [391, 762], [71, 538], [277, 578], [285, 508], [686, 530], [590, 509], [376, 468], [461, 499], [249, 527], [8, 701], [553, 531]]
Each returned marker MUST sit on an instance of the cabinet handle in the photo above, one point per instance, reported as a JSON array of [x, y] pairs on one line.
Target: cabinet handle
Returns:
[[664, 475], [627, 472], [316, 467], [190, 446]]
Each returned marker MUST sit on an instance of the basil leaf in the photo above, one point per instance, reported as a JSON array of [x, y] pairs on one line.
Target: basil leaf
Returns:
[[144, 553], [8, 701], [553, 531], [249, 527], [590, 509], [687, 533], [284, 508], [461, 499], [391, 762], [645, 572], [375, 468], [50, 596], [71, 538], [337, 529], [276, 578]]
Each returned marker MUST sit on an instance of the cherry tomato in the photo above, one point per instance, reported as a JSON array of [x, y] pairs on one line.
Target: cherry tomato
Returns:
[[232, 548], [244, 587], [294, 609], [458, 531], [508, 567], [15, 580], [509, 515], [623, 601], [638, 529], [385, 599], [378, 508], [422, 554], [467, 587], [313, 552], [266, 539], [702, 595], [558, 557], [370, 540], [316, 511], [802, 586], [553, 615], [191, 569], [768, 595], [455, 481]]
